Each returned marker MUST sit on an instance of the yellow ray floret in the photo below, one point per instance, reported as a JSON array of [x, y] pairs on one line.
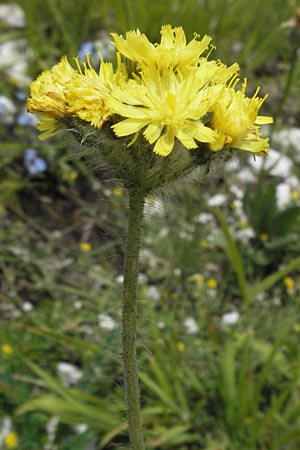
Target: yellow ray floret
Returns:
[[172, 52], [49, 126], [167, 106], [235, 119]]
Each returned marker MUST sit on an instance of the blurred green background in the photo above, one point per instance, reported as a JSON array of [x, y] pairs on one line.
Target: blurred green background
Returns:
[[219, 308]]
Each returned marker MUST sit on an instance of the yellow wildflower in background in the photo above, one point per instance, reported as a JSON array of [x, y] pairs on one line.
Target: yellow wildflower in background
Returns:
[[180, 346], [289, 284], [11, 440], [295, 195], [7, 349], [85, 247], [203, 243], [212, 283], [264, 237], [117, 192]]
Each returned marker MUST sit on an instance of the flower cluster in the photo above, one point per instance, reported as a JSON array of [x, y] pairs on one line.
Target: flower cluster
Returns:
[[164, 93]]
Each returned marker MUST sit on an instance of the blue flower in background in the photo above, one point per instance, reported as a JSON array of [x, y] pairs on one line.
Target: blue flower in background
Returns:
[[26, 119], [33, 163], [21, 96], [86, 47]]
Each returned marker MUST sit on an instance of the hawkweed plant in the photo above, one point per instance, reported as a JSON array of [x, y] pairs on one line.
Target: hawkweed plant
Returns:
[[164, 112]]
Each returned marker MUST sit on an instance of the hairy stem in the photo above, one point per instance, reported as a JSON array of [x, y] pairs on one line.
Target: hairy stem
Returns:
[[129, 318]]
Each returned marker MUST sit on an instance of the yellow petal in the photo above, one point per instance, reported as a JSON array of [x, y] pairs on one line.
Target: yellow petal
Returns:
[[186, 139], [164, 145], [263, 120], [128, 126], [153, 131], [201, 132]]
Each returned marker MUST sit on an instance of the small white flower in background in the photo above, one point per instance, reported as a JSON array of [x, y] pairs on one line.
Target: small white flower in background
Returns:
[[119, 278], [276, 163], [153, 206], [185, 235], [261, 297], [230, 318], [217, 200], [15, 56], [68, 373], [238, 207], [5, 428], [78, 304], [246, 175], [142, 278], [153, 293], [290, 137], [163, 232], [27, 306], [236, 191], [7, 110], [277, 301], [204, 218], [245, 234], [106, 322], [161, 324], [283, 195], [233, 165], [191, 325], [148, 257], [51, 428], [80, 428], [12, 15], [294, 182]]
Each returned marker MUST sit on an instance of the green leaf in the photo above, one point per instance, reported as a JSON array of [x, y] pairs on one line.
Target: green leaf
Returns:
[[284, 221], [158, 390], [65, 339], [228, 379], [260, 206], [68, 397], [235, 258], [68, 413], [173, 436]]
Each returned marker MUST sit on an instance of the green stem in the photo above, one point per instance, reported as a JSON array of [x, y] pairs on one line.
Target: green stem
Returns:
[[129, 318]]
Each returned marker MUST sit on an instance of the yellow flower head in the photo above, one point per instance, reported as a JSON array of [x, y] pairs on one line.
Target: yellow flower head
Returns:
[[212, 283], [47, 92], [167, 106], [7, 349], [85, 247], [235, 119], [11, 440], [172, 52], [173, 95], [289, 284], [87, 94]]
